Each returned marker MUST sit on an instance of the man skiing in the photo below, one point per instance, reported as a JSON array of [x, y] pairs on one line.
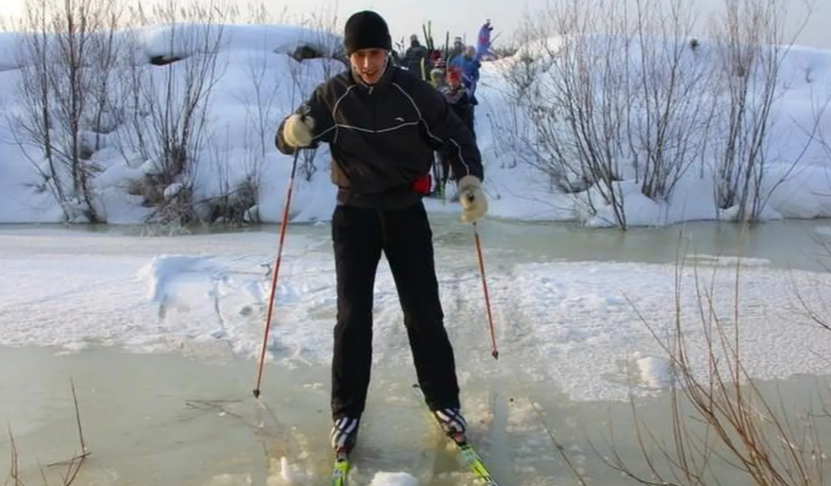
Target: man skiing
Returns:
[[382, 125]]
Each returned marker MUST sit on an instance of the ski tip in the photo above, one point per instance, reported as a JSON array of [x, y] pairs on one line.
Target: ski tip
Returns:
[[341, 470]]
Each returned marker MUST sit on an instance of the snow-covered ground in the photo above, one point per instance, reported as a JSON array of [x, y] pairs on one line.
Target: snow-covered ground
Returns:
[[571, 322], [257, 83]]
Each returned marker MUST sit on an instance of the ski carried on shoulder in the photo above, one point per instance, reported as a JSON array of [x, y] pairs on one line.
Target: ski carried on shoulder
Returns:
[[468, 453], [340, 470]]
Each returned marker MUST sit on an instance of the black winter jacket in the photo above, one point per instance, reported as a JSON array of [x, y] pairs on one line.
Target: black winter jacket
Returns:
[[383, 137], [461, 103]]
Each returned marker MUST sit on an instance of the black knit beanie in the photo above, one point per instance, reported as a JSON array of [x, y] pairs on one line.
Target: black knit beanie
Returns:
[[366, 30]]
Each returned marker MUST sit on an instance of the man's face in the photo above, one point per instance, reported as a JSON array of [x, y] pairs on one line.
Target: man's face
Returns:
[[369, 64]]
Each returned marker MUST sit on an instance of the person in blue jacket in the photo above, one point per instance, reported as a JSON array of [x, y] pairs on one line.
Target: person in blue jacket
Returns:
[[483, 41], [469, 65]]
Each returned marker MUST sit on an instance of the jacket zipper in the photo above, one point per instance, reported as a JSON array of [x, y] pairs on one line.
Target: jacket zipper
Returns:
[[374, 115]]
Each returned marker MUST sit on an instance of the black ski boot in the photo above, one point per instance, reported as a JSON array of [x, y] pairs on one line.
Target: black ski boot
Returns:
[[344, 435], [452, 422]]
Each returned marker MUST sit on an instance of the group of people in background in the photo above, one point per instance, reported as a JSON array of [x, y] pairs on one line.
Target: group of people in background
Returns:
[[455, 74]]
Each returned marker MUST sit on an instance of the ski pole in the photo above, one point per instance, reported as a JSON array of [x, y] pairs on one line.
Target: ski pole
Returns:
[[283, 225], [478, 242]]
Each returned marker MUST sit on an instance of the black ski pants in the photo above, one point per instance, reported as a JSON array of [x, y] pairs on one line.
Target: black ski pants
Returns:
[[404, 235]]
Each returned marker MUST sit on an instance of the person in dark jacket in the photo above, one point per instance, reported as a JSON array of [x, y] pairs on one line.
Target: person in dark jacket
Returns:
[[458, 99], [416, 59], [382, 125]]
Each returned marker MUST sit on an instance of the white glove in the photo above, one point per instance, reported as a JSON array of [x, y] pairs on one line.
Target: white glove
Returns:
[[298, 130], [473, 201]]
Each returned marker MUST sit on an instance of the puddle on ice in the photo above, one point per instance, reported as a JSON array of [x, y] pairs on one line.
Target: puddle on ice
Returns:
[[167, 419], [174, 420]]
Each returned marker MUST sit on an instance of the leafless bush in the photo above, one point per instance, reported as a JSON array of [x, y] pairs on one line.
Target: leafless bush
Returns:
[[67, 58], [670, 120], [612, 95], [622, 98], [232, 194], [751, 47], [502, 51], [259, 14], [234, 197], [265, 86], [172, 99], [306, 74], [69, 468], [721, 420], [237, 203]]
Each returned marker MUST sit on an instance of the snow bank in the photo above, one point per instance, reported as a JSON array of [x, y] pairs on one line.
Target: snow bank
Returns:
[[795, 183], [177, 41], [258, 82], [9, 58], [183, 40]]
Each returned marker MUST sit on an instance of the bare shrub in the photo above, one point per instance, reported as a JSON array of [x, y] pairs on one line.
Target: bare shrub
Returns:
[[621, 98], [232, 191], [305, 74], [69, 469], [67, 57], [259, 103], [171, 100], [722, 421], [611, 95], [670, 123], [238, 205], [502, 51], [751, 48]]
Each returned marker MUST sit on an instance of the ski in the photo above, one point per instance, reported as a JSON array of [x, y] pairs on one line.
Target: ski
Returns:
[[468, 453], [341, 469], [473, 462]]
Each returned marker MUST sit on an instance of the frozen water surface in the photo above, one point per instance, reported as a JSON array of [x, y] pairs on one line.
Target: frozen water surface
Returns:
[[161, 334]]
